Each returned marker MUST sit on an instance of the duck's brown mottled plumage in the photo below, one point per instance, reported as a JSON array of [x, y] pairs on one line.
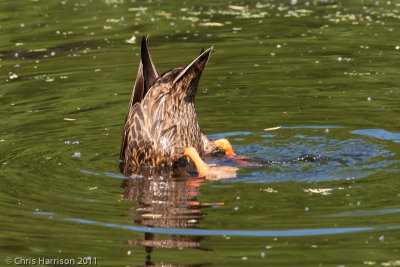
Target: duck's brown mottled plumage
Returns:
[[161, 120]]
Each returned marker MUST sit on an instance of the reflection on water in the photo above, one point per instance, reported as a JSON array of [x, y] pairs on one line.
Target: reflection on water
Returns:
[[165, 202], [166, 205]]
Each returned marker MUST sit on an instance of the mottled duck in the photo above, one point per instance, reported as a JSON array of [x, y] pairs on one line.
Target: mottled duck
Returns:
[[161, 127]]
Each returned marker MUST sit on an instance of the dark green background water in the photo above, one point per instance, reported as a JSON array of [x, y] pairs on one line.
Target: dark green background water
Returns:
[[327, 71]]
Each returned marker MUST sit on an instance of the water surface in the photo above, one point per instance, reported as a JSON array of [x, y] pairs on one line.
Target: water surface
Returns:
[[326, 71]]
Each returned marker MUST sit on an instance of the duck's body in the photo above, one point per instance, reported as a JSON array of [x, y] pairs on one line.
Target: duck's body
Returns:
[[161, 120]]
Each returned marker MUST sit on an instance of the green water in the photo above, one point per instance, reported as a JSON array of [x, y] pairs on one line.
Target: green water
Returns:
[[326, 71]]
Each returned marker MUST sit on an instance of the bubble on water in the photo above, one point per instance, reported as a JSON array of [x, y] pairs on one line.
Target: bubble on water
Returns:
[[172, 24], [16, 54], [152, 19], [326, 131], [262, 255], [52, 53], [122, 19], [381, 238], [129, 252], [306, 209], [22, 25], [369, 99], [132, 40], [236, 208], [76, 155], [57, 32], [345, 59], [278, 46], [13, 77]]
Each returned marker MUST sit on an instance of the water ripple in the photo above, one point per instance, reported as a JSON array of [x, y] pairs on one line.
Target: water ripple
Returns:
[[258, 233], [364, 213], [380, 134]]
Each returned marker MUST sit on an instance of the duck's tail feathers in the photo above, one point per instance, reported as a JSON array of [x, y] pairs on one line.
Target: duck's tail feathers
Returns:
[[147, 74]]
